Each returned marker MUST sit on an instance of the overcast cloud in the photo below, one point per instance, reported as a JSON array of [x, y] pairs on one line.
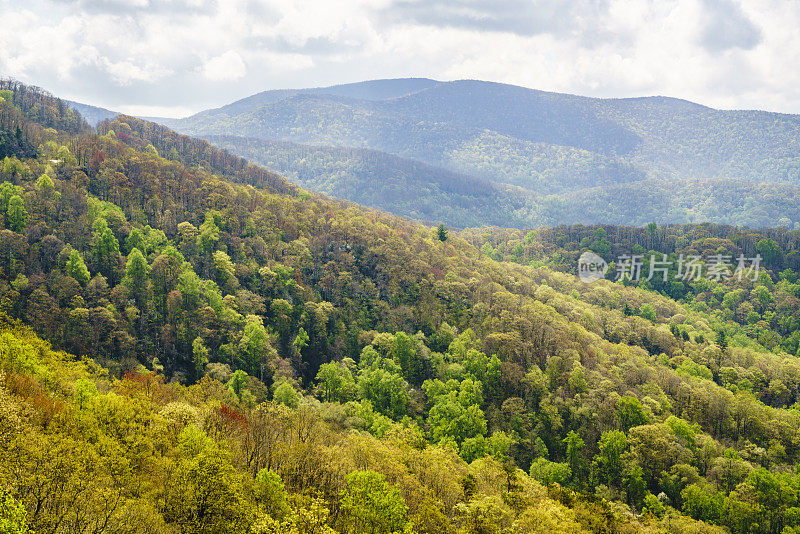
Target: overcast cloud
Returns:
[[174, 57]]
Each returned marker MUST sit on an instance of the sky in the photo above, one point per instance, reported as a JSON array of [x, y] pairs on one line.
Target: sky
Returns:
[[177, 57]]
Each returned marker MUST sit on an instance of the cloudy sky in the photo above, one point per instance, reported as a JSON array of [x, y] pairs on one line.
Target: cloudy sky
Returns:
[[175, 57]]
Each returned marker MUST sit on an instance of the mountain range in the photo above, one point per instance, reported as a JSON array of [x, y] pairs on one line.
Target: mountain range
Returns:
[[471, 153]]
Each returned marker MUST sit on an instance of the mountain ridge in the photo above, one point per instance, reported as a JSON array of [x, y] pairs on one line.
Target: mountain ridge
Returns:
[[497, 131], [546, 143]]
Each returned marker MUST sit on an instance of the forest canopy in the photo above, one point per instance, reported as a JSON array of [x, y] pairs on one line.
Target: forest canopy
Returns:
[[199, 346]]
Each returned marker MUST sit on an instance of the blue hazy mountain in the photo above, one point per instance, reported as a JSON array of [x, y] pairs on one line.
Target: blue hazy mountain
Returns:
[[547, 145]]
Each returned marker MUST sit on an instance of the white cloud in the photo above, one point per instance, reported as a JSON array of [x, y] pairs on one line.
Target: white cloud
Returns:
[[227, 67], [125, 72], [724, 53]]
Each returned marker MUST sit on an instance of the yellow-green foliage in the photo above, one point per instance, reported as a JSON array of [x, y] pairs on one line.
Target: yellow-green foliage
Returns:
[[139, 455]]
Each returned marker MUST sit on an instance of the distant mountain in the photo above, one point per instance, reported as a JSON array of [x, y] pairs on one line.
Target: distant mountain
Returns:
[[93, 114], [545, 143], [717, 200], [374, 90]]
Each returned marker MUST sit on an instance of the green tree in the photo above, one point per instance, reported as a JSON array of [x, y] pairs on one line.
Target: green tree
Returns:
[[612, 445], [448, 418], [370, 505], [382, 385], [238, 383], [135, 240], [76, 267], [223, 267], [286, 394], [17, 215], [635, 486], [136, 275], [630, 413], [200, 357], [255, 346], [8, 190], [704, 503], [574, 445], [13, 516], [335, 383], [647, 311], [441, 233], [406, 352], [105, 249], [205, 495], [209, 235], [270, 494], [722, 340], [548, 472], [45, 184]]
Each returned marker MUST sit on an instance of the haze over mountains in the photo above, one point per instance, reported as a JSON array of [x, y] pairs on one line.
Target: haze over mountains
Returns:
[[470, 153]]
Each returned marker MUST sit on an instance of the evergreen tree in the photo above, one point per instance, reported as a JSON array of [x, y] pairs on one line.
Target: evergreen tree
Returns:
[[442, 233]]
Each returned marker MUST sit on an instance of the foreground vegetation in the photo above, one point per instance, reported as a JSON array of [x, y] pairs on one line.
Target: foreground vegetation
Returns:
[[82, 452], [251, 358]]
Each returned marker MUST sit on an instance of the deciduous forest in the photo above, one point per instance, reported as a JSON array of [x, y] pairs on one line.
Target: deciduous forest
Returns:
[[192, 344]]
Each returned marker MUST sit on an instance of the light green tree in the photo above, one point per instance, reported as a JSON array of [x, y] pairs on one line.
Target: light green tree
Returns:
[[13, 515], [255, 346], [200, 357], [286, 394], [17, 215], [76, 267], [335, 383], [105, 248], [370, 505]]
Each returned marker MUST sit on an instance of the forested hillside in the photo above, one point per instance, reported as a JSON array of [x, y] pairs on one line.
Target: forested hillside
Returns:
[[249, 357], [766, 309]]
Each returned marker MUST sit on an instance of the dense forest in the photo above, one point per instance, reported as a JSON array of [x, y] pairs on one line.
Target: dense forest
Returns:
[[189, 343]]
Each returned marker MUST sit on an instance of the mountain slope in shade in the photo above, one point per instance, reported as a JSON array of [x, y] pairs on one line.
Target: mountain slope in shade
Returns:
[[417, 190], [94, 115], [376, 179]]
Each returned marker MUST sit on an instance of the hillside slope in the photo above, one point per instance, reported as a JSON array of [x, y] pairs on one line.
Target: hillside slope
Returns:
[[94, 115], [424, 192]]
